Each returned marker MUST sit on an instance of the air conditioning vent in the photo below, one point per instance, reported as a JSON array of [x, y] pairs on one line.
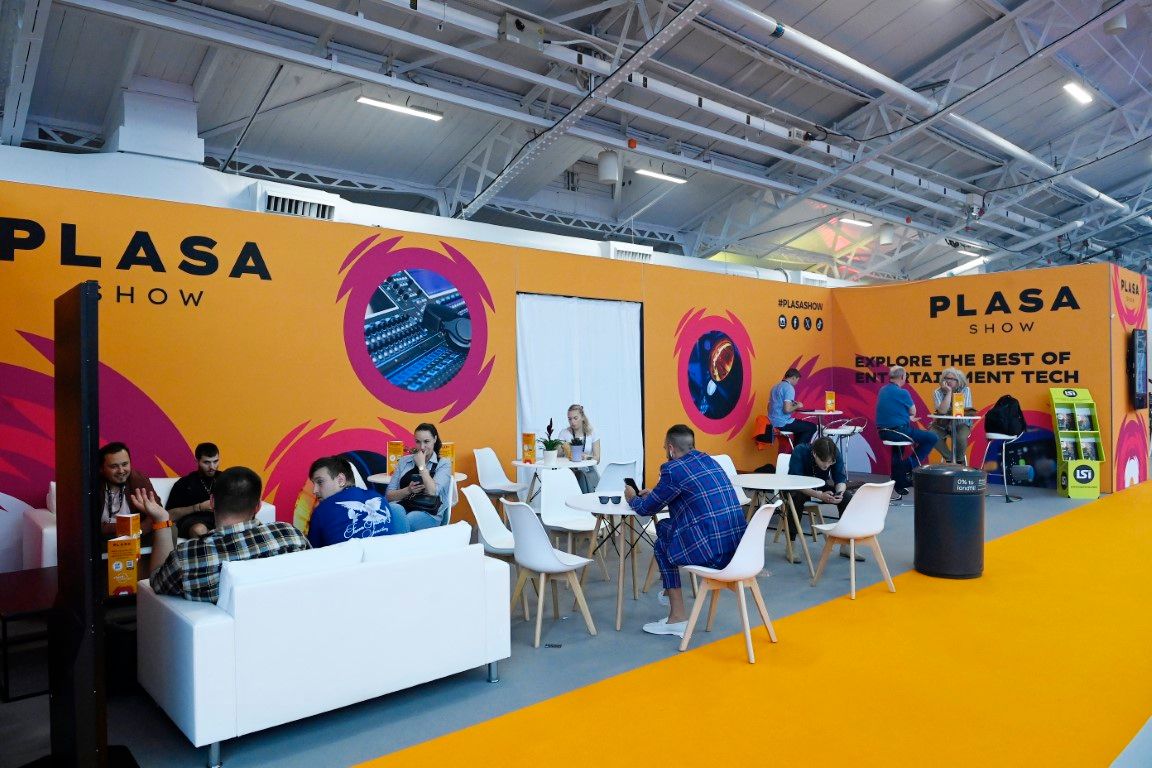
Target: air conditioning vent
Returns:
[[628, 252], [290, 206]]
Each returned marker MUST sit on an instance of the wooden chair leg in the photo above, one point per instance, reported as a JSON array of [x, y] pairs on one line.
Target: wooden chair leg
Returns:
[[518, 592], [651, 575], [852, 567], [555, 599], [713, 600], [540, 607], [824, 554], [579, 592], [692, 617], [874, 543], [744, 620], [760, 606]]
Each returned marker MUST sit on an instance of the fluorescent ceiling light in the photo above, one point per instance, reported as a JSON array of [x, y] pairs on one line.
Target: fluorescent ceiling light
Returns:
[[661, 176], [1078, 92], [965, 267], [427, 114], [856, 222], [969, 253]]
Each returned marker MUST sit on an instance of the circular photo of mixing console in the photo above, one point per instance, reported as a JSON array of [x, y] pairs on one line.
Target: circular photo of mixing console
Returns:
[[417, 330], [715, 375]]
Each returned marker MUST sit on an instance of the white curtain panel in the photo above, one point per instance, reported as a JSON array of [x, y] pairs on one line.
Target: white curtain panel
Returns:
[[585, 351]]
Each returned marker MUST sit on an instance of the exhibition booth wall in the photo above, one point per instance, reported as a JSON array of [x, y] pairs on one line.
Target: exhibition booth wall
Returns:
[[284, 339]]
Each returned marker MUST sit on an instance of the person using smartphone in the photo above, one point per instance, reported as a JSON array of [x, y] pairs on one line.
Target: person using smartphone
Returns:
[[580, 439], [821, 460], [421, 486], [705, 520]]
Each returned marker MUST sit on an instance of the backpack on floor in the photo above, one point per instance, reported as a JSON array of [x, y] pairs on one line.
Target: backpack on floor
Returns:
[[1006, 417]]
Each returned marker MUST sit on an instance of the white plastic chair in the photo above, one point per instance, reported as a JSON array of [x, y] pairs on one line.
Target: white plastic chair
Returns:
[[741, 572], [612, 479], [490, 474], [535, 555], [163, 487], [729, 468], [556, 487], [862, 521], [494, 537]]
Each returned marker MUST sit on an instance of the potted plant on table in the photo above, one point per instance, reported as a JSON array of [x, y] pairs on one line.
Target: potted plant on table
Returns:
[[550, 444]]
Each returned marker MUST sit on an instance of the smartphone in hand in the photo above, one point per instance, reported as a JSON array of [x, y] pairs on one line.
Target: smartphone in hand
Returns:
[[628, 481]]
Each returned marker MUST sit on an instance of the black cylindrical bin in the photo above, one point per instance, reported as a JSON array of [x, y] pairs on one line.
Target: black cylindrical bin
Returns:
[[949, 517]]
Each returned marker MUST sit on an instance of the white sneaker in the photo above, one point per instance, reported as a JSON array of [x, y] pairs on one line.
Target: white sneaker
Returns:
[[662, 598], [662, 627]]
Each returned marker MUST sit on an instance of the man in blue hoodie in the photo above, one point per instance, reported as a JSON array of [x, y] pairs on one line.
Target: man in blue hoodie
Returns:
[[345, 511]]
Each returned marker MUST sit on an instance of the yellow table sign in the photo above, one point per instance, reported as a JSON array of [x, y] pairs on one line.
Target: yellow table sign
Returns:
[[123, 559]]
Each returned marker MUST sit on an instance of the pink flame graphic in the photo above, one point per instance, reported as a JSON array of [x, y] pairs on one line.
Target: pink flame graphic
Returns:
[[28, 426], [367, 266], [691, 327]]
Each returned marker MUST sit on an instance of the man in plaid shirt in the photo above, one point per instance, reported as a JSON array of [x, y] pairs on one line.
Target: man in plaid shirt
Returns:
[[192, 571], [705, 520]]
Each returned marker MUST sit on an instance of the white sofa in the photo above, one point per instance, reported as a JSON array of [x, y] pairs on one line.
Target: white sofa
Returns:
[[12, 512], [308, 632], [39, 529]]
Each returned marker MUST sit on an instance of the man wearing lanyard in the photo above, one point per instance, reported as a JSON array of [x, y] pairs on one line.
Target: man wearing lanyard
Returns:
[[118, 482]]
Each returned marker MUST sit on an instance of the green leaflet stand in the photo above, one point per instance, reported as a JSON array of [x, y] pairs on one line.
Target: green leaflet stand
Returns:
[[1078, 444]]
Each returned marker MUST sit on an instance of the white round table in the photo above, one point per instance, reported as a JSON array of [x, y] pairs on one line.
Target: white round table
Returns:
[[590, 502], [762, 483], [954, 420], [383, 478], [559, 463]]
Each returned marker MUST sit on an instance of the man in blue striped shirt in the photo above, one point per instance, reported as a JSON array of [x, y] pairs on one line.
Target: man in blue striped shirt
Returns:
[[705, 520]]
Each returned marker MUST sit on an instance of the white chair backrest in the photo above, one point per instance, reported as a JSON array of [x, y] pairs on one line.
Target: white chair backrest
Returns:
[[357, 478], [489, 473], [487, 518], [783, 460], [864, 516], [556, 487], [726, 464], [612, 479], [749, 557], [163, 488], [533, 550]]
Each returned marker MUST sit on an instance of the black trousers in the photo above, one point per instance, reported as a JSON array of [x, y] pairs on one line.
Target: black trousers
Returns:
[[799, 500]]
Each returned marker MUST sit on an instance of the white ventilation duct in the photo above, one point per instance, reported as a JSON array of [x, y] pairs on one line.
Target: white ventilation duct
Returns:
[[158, 118], [626, 251]]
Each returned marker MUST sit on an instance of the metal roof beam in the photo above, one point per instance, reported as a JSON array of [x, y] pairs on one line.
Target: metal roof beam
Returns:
[[22, 69]]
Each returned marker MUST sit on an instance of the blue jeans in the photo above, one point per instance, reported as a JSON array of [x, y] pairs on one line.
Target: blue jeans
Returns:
[[417, 521]]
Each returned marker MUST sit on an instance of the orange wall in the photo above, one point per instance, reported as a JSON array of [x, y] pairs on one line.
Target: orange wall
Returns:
[[262, 367], [266, 368], [1017, 333]]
